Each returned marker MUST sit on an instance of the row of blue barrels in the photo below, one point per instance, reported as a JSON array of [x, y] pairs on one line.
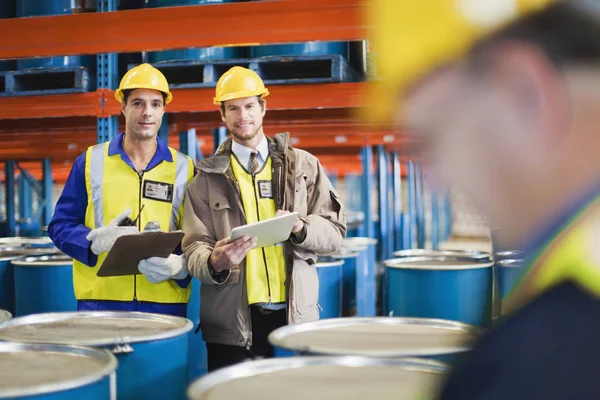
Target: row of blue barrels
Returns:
[[37, 8], [35, 279], [94, 355], [219, 53]]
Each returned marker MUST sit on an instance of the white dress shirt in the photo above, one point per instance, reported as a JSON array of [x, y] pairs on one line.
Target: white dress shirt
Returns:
[[242, 153]]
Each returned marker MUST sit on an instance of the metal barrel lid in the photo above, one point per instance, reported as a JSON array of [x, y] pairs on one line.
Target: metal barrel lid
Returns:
[[17, 241], [499, 255], [395, 337], [58, 260], [346, 253], [325, 262], [8, 253], [97, 328], [320, 378], [436, 263], [5, 315], [510, 263], [473, 254], [41, 369]]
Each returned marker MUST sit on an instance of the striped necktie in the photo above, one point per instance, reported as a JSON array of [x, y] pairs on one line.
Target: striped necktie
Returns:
[[254, 162]]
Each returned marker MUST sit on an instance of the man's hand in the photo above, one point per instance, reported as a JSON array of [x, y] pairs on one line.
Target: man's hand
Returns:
[[298, 225], [227, 255], [158, 269], [103, 238]]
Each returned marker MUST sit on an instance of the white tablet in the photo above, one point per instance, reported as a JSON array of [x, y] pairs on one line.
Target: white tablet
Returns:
[[268, 232]]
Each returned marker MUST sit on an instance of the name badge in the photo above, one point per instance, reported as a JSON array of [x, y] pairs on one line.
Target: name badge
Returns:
[[160, 191], [265, 189]]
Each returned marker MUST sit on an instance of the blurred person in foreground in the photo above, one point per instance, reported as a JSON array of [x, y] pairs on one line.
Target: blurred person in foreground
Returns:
[[511, 116]]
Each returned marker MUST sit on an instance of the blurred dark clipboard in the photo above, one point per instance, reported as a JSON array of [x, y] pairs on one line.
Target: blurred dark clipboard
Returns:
[[129, 250]]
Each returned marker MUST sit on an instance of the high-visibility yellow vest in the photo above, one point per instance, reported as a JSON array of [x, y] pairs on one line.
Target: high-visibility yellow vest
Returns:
[[572, 254], [265, 268], [112, 187]]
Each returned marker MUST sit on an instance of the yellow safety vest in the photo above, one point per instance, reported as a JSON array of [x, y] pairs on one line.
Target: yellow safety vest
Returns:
[[572, 254], [112, 187], [265, 268]]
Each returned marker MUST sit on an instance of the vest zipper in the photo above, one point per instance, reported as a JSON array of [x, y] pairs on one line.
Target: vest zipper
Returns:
[[140, 176], [263, 249]]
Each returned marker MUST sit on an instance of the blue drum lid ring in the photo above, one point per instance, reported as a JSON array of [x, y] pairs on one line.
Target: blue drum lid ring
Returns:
[[182, 326], [278, 336], [254, 368], [436, 263], [103, 356]]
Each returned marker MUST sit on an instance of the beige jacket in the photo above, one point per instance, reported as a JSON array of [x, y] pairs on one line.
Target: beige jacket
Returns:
[[213, 207]]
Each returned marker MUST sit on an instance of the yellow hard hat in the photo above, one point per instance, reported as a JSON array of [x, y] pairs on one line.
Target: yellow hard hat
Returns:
[[412, 38], [239, 82], [144, 76]]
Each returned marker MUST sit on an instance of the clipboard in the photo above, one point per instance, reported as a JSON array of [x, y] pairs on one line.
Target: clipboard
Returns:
[[268, 232], [128, 250]]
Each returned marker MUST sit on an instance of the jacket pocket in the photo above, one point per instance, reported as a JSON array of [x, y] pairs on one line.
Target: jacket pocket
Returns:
[[301, 195], [336, 204], [305, 285], [218, 307]]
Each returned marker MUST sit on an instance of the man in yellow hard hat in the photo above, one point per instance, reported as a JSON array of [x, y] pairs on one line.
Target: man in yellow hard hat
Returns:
[[247, 293], [135, 177], [509, 114]]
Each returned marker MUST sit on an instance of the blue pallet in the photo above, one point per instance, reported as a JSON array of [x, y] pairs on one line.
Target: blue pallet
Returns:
[[41, 81], [188, 74]]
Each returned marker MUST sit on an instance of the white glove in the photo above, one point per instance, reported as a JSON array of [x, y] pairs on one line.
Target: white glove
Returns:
[[158, 269], [104, 238]]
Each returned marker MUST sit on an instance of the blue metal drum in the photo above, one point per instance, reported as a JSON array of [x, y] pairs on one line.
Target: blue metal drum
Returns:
[[207, 53], [7, 285], [7, 277], [302, 49], [382, 337], [440, 287], [152, 349], [516, 257], [510, 273], [37, 8], [331, 378], [4, 315], [330, 287], [52, 372], [197, 355], [350, 259], [365, 277], [44, 284]]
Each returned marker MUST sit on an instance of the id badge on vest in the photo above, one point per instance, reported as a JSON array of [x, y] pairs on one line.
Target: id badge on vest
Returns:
[[265, 189], [160, 191]]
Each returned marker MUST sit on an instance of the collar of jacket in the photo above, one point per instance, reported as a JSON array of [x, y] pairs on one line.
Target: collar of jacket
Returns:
[[220, 163]]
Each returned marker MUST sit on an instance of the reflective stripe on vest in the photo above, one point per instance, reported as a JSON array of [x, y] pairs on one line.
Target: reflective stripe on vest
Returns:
[[265, 268], [572, 254], [113, 186]]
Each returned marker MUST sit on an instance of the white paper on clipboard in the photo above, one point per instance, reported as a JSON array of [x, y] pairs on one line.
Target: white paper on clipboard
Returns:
[[268, 232]]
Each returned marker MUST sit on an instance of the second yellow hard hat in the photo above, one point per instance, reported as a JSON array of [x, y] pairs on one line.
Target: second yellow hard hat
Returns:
[[239, 82]]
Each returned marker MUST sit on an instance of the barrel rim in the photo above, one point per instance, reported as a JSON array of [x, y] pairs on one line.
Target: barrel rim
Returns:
[[43, 261], [261, 367], [277, 337], [343, 255], [510, 263], [328, 264], [466, 264], [474, 254], [26, 241], [364, 240], [102, 355], [63, 316], [509, 253]]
